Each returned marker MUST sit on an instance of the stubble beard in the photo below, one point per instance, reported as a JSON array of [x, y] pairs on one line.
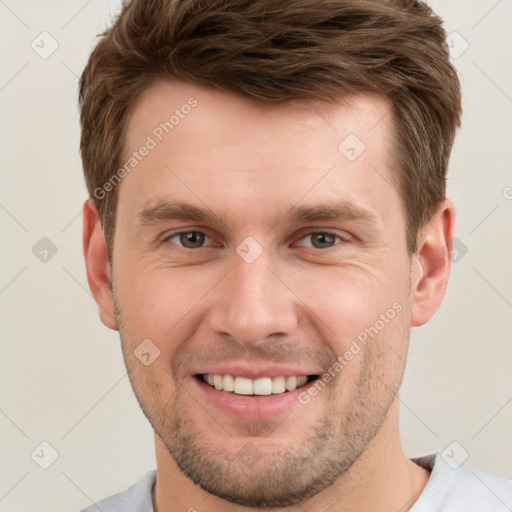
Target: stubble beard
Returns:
[[268, 475]]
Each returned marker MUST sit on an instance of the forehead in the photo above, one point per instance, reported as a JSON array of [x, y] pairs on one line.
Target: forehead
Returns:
[[219, 147], [169, 100]]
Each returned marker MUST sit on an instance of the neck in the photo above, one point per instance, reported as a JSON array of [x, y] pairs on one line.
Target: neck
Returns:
[[382, 479]]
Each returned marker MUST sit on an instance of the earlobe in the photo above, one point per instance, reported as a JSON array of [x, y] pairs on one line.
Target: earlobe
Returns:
[[97, 264], [432, 263]]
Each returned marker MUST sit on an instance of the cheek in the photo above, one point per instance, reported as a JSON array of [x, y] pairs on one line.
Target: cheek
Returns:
[[347, 302], [371, 368], [164, 305], [156, 298], [362, 314]]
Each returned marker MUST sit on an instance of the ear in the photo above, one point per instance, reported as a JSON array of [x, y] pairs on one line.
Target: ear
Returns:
[[432, 263], [97, 264]]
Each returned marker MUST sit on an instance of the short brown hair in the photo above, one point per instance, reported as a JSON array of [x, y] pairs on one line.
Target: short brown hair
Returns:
[[272, 51]]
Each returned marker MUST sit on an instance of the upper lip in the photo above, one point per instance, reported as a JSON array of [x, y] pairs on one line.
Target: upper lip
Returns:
[[253, 371]]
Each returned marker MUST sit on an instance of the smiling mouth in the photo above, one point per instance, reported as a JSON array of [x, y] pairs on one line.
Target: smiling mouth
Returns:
[[262, 386]]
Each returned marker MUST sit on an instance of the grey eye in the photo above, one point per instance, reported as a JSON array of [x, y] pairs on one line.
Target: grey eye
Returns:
[[189, 239], [321, 240]]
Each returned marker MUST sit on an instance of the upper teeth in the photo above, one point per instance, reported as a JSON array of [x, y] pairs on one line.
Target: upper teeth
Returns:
[[261, 386]]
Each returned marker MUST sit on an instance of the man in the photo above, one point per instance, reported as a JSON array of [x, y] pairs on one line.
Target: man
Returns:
[[267, 222]]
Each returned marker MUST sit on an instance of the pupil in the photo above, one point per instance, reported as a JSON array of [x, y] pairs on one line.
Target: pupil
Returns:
[[192, 239], [323, 238]]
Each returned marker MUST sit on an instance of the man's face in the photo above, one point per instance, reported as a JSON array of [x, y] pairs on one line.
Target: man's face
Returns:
[[258, 290]]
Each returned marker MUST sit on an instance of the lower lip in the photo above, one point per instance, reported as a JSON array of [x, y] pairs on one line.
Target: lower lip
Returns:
[[251, 407]]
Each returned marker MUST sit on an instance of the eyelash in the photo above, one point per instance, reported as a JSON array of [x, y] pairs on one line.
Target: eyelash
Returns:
[[168, 238]]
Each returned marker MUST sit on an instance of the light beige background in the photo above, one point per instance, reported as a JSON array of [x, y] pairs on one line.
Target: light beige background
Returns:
[[62, 378]]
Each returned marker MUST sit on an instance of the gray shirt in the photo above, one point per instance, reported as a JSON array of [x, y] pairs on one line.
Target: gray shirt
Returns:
[[447, 490]]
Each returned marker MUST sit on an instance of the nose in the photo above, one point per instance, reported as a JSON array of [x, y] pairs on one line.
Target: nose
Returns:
[[253, 303]]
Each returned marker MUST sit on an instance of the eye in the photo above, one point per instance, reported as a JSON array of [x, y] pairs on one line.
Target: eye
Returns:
[[188, 239], [322, 239]]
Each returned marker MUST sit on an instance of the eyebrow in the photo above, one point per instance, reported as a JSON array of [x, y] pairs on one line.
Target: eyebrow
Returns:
[[336, 211], [164, 210]]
